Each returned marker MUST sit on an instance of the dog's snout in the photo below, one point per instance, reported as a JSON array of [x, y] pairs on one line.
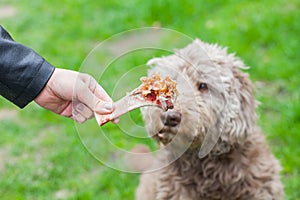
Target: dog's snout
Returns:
[[170, 118]]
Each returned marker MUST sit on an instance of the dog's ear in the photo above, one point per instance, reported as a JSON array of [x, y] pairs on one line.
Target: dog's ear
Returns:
[[242, 122]]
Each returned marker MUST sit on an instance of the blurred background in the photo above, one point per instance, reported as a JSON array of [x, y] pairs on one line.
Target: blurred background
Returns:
[[41, 155]]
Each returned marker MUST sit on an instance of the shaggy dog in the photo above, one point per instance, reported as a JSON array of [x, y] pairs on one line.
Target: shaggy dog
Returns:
[[214, 98]]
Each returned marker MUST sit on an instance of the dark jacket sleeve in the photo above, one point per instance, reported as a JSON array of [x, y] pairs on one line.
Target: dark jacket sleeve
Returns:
[[23, 73]]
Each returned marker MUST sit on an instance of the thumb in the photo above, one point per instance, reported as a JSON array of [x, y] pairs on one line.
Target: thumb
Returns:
[[103, 107], [86, 96]]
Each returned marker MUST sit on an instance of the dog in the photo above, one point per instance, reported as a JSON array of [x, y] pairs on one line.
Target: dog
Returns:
[[215, 100]]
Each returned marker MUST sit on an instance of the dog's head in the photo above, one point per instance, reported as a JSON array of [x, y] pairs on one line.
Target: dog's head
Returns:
[[214, 96]]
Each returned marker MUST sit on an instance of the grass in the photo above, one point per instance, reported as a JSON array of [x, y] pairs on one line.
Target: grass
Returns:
[[41, 153]]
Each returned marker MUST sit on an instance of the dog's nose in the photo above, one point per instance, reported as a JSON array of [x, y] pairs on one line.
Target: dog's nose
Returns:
[[170, 118]]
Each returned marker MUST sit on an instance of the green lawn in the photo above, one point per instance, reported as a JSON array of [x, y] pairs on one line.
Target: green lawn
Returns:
[[41, 155]]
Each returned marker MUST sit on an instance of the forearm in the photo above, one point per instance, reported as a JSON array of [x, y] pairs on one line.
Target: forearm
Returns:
[[23, 73]]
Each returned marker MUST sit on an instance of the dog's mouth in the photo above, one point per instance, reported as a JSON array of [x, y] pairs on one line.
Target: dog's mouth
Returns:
[[165, 135]]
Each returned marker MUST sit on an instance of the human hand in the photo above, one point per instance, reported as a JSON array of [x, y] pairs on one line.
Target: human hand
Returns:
[[74, 95]]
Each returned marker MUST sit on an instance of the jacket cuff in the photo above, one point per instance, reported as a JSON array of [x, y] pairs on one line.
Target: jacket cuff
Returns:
[[36, 85]]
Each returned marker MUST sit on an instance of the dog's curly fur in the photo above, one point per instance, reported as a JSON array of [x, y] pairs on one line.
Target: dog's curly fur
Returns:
[[240, 166]]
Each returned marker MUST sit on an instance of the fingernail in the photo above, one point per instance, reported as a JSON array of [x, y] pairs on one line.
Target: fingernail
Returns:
[[108, 106]]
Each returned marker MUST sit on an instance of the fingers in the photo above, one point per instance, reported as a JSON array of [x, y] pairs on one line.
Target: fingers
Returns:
[[104, 108], [97, 90], [93, 98], [78, 117], [83, 110], [86, 95], [74, 95], [89, 92]]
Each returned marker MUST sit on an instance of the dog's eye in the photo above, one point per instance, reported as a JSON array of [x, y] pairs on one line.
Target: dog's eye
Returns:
[[202, 87]]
